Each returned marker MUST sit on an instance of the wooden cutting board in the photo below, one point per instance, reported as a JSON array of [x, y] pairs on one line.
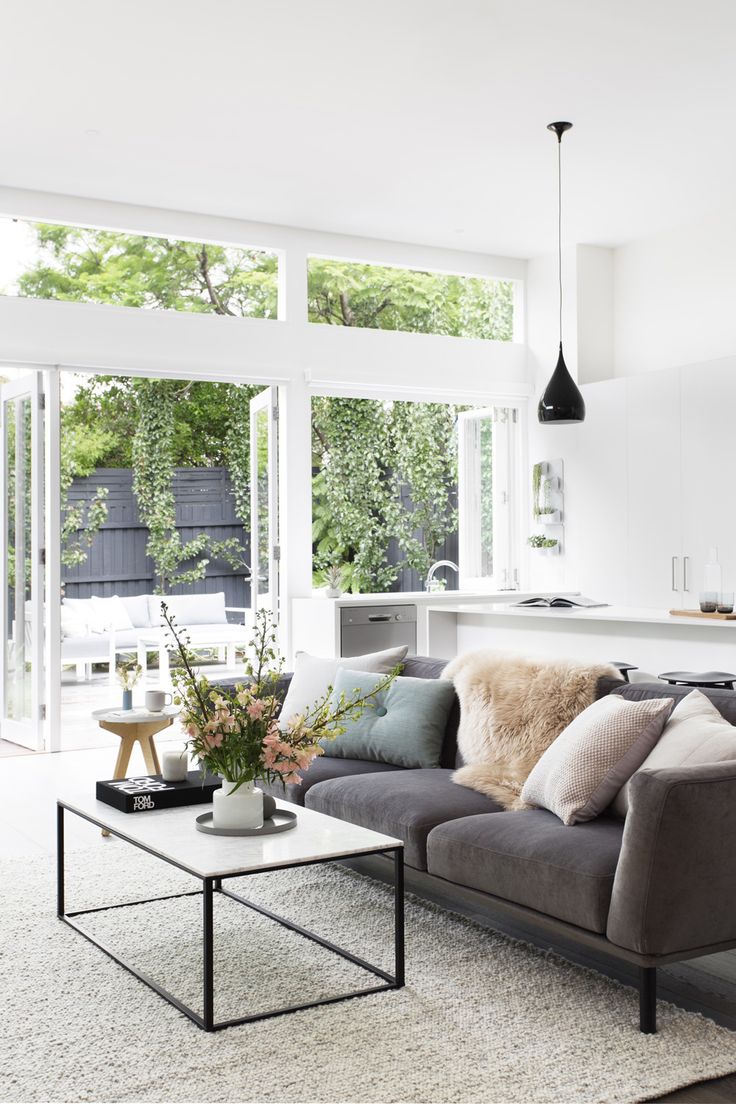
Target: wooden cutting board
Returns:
[[705, 616]]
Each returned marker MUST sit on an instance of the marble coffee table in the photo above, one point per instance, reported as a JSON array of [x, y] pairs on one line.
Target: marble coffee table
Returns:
[[169, 835]]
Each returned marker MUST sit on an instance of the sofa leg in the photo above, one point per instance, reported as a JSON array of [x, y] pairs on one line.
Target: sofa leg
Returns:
[[648, 999]]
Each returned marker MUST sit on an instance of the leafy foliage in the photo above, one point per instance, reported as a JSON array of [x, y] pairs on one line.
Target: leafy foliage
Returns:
[[128, 270], [384, 471], [343, 293]]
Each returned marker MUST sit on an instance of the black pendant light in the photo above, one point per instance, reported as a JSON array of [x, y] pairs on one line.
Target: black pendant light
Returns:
[[561, 402]]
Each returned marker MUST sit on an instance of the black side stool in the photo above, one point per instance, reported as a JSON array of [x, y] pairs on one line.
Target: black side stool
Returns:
[[624, 668], [710, 680]]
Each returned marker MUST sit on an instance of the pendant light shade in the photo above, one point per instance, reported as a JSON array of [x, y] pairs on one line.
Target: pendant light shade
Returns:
[[561, 402]]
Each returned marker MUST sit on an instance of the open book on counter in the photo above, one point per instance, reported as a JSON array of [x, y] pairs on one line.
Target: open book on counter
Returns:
[[559, 602]]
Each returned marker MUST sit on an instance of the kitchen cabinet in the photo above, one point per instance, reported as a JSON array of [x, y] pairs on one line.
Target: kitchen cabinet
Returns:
[[655, 546], [708, 475]]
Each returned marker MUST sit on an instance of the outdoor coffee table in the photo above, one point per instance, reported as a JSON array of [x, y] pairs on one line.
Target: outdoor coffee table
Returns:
[[170, 835]]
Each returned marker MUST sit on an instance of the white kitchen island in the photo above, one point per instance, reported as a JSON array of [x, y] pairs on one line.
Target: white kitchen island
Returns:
[[652, 639], [318, 623]]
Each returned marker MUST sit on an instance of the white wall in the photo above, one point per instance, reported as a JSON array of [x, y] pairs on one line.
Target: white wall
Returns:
[[302, 358], [674, 296]]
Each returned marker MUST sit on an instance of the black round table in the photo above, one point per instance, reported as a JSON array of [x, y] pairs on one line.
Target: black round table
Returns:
[[711, 680]]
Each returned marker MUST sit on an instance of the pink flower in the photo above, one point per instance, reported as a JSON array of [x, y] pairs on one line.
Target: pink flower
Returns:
[[255, 709], [213, 739]]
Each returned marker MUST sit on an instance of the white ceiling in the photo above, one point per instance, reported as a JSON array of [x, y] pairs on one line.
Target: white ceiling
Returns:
[[415, 120]]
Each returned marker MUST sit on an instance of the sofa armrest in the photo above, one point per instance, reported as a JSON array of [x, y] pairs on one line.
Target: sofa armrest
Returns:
[[675, 884]]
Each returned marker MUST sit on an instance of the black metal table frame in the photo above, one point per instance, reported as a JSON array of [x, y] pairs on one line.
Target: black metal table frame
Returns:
[[212, 885]]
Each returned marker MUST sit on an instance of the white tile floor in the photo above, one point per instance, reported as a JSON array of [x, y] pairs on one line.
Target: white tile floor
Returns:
[[29, 785]]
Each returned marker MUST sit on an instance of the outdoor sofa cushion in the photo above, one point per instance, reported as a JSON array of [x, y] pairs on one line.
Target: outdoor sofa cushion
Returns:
[[189, 609], [533, 859], [406, 804], [138, 611]]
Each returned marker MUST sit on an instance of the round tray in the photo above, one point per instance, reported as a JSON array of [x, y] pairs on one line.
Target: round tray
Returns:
[[269, 828]]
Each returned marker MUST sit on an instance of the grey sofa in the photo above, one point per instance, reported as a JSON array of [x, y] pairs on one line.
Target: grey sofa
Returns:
[[657, 888]]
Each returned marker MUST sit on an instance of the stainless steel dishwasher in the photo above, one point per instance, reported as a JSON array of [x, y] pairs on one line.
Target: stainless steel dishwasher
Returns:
[[373, 628]]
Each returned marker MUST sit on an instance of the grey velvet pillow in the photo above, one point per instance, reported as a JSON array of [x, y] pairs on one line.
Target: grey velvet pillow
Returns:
[[405, 726], [581, 772]]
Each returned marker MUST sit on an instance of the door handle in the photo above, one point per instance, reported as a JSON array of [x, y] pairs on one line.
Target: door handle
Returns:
[[376, 617], [674, 572], [685, 565]]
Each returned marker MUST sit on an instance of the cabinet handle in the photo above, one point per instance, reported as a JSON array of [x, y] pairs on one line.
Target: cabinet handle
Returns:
[[376, 617], [674, 572], [685, 563]]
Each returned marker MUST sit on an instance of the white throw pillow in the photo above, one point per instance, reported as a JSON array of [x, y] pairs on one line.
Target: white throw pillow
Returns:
[[313, 676], [75, 614], [189, 609], [695, 733], [584, 768], [109, 613]]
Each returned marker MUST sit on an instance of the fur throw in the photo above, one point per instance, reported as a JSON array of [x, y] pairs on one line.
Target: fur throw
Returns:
[[511, 709]]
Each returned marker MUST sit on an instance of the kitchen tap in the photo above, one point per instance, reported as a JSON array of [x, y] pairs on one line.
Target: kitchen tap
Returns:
[[429, 582]]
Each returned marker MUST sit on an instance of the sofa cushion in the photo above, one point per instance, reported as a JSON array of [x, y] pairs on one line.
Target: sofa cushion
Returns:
[[532, 859], [109, 613], [75, 618], [402, 724], [314, 675], [406, 804], [138, 610], [724, 700], [189, 609], [321, 770]]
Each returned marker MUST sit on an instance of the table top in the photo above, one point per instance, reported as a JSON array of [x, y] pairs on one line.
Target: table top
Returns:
[[225, 633], [171, 834], [135, 716]]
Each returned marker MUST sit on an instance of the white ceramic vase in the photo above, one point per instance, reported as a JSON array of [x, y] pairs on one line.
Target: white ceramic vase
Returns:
[[242, 809]]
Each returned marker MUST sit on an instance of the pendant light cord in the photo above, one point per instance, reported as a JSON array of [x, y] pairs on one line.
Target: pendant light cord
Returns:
[[559, 223]]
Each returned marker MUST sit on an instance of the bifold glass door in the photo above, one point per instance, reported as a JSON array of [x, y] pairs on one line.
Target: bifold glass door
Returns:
[[264, 501], [489, 458], [22, 600]]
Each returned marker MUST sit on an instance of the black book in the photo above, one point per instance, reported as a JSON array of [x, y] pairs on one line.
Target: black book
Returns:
[[560, 603], [141, 795]]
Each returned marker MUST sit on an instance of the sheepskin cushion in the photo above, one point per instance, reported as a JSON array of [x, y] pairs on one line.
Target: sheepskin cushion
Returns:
[[511, 709], [584, 768]]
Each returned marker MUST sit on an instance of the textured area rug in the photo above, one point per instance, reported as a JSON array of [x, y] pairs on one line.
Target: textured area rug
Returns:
[[482, 1018]]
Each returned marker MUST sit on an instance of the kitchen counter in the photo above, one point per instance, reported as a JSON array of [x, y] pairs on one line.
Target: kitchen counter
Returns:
[[652, 639], [317, 621]]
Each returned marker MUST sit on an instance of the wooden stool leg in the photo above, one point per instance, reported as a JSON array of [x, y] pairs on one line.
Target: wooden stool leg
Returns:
[[121, 764], [127, 744], [149, 754]]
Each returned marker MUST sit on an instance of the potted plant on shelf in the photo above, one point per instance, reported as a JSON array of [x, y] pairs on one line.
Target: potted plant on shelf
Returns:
[[333, 580], [239, 734], [548, 545], [128, 675]]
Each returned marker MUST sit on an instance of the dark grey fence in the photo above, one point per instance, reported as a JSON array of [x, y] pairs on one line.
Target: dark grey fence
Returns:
[[117, 561]]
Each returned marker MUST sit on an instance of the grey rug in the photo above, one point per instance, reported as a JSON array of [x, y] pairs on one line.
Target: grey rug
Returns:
[[482, 1019]]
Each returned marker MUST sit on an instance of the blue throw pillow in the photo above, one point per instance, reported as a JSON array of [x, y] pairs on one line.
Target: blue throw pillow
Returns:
[[404, 724]]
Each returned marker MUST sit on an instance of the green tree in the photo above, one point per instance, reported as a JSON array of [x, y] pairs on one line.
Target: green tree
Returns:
[[370, 296], [128, 270]]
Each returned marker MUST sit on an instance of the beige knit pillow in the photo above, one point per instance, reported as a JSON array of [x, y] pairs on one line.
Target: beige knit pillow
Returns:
[[582, 771]]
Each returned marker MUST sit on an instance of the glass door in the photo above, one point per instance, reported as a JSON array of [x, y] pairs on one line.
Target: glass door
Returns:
[[21, 597], [264, 500]]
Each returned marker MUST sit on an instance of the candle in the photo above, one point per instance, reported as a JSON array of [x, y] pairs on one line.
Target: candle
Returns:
[[174, 766]]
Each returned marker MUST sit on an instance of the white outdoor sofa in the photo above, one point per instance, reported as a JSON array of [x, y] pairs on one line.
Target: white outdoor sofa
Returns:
[[98, 630]]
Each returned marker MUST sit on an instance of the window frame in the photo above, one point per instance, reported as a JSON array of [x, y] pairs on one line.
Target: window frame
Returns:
[[508, 493]]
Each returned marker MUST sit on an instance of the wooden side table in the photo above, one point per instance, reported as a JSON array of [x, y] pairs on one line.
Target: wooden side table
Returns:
[[135, 726]]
